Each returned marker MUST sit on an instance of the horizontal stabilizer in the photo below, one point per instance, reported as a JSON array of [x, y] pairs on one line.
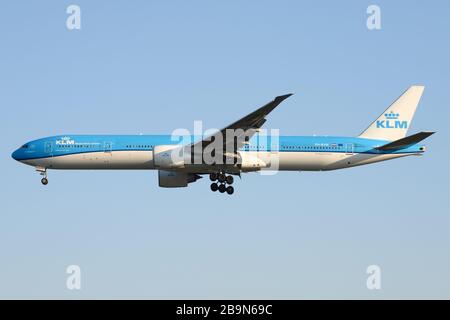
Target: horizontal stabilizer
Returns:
[[406, 141]]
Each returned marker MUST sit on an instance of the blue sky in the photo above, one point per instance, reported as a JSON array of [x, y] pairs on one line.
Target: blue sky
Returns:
[[154, 66]]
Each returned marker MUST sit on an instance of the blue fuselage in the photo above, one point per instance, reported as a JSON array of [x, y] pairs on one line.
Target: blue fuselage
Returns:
[[64, 145]]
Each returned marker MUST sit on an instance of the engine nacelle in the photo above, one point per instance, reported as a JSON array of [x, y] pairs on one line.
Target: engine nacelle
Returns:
[[168, 157], [249, 162], [173, 179]]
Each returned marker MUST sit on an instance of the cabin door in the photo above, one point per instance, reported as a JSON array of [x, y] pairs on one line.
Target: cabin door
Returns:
[[107, 147], [48, 148], [349, 148]]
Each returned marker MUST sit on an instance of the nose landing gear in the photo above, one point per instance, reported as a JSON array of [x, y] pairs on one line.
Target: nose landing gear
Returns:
[[223, 180], [43, 172]]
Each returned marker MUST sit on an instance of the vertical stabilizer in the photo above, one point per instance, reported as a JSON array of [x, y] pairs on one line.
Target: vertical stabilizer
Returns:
[[394, 123]]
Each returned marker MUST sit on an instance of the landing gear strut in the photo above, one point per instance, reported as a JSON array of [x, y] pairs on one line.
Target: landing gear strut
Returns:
[[222, 181]]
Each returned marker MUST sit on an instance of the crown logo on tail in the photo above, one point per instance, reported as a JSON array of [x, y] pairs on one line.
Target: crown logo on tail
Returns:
[[391, 115]]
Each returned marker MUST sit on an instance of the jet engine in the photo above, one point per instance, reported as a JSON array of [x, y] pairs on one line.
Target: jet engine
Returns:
[[174, 179]]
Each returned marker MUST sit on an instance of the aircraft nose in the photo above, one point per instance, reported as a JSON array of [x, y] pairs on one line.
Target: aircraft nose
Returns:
[[15, 155]]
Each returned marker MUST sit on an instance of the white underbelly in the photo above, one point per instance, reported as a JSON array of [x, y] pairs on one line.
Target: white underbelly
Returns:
[[317, 161], [98, 160], [285, 161], [309, 161]]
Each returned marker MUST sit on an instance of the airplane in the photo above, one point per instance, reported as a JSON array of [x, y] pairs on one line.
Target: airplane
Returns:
[[248, 150]]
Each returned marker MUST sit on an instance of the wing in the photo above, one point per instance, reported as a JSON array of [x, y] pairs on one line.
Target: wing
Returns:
[[244, 128]]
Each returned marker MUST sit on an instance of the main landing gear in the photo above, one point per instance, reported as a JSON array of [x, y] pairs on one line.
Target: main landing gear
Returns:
[[43, 172], [222, 181]]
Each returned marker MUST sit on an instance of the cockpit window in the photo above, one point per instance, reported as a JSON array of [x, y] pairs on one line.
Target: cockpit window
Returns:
[[25, 146]]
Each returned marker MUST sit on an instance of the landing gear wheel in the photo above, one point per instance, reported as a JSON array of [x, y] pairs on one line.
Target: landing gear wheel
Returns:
[[44, 181], [229, 179], [222, 188], [214, 187], [213, 176], [230, 190], [221, 177]]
